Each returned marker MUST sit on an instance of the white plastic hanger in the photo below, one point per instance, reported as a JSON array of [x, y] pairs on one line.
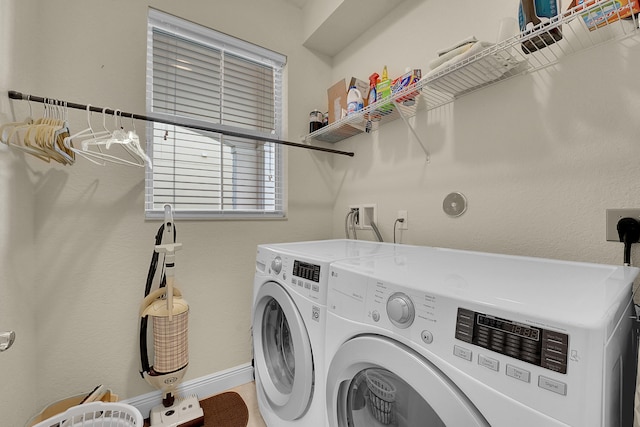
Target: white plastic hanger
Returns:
[[98, 158], [135, 143], [119, 137], [56, 136], [45, 133]]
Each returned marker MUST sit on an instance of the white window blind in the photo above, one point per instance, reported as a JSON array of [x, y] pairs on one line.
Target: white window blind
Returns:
[[201, 78]]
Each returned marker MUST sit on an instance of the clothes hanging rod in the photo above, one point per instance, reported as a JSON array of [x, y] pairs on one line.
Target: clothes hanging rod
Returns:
[[24, 97]]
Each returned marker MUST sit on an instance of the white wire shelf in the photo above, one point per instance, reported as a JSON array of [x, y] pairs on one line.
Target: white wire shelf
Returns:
[[527, 52]]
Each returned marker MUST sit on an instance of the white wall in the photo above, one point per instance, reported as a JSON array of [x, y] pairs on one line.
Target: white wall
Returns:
[[17, 243], [87, 222], [539, 157]]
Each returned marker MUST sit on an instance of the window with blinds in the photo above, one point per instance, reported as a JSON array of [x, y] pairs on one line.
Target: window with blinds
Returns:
[[223, 94]]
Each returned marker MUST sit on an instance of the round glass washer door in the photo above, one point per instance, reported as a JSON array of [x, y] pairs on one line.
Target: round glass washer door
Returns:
[[374, 381], [282, 353]]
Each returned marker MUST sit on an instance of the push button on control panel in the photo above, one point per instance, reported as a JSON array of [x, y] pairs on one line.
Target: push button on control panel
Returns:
[[552, 385], [463, 353], [488, 362], [518, 373]]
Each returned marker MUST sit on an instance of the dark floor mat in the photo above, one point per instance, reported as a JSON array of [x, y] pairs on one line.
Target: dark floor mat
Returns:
[[223, 410]]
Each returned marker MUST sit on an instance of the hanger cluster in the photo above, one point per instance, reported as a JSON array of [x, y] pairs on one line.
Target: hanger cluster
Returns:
[[49, 138]]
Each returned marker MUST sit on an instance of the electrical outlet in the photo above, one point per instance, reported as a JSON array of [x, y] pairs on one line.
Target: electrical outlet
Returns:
[[404, 225], [615, 215]]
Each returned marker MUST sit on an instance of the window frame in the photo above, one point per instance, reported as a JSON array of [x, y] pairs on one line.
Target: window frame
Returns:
[[239, 48]]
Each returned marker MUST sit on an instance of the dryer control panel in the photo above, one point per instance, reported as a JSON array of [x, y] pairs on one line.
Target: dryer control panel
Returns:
[[531, 344], [306, 270]]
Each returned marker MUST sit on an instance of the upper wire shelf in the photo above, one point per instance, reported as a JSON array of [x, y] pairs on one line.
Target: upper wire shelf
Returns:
[[577, 29]]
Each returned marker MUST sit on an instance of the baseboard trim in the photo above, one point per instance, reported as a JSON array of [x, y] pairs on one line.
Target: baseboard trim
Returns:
[[202, 387]]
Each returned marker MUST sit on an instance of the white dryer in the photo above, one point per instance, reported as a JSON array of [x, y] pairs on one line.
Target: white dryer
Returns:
[[454, 338], [289, 313]]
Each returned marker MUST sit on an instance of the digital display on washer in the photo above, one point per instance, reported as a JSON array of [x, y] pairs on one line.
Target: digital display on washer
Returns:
[[306, 271], [538, 346], [510, 327]]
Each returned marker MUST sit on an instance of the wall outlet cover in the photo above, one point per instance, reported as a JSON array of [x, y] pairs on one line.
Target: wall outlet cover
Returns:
[[615, 215]]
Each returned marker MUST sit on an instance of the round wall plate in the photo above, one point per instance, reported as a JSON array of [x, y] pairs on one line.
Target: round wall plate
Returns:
[[455, 204]]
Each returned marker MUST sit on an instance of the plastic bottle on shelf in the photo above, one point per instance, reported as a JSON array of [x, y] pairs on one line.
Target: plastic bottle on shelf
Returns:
[[373, 81], [383, 90], [373, 115], [383, 87], [354, 101]]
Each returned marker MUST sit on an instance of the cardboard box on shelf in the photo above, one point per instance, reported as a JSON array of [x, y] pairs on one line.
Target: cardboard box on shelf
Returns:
[[338, 97], [607, 12], [404, 81], [337, 101]]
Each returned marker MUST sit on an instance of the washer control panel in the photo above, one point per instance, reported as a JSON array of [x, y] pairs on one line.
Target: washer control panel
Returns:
[[531, 344]]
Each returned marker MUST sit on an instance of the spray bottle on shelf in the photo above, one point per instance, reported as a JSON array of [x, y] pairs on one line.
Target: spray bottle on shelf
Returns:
[[373, 115], [373, 81], [354, 101]]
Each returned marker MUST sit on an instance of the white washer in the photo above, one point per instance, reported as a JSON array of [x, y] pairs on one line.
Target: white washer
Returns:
[[444, 337], [289, 313]]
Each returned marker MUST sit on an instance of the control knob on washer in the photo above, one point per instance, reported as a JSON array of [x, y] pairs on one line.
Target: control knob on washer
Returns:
[[400, 310], [276, 265]]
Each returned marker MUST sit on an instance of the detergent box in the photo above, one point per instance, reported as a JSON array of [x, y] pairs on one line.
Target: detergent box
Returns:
[[407, 79], [607, 12]]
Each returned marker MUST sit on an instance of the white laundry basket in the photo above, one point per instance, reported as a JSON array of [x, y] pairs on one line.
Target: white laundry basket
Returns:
[[382, 396], [96, 414]]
